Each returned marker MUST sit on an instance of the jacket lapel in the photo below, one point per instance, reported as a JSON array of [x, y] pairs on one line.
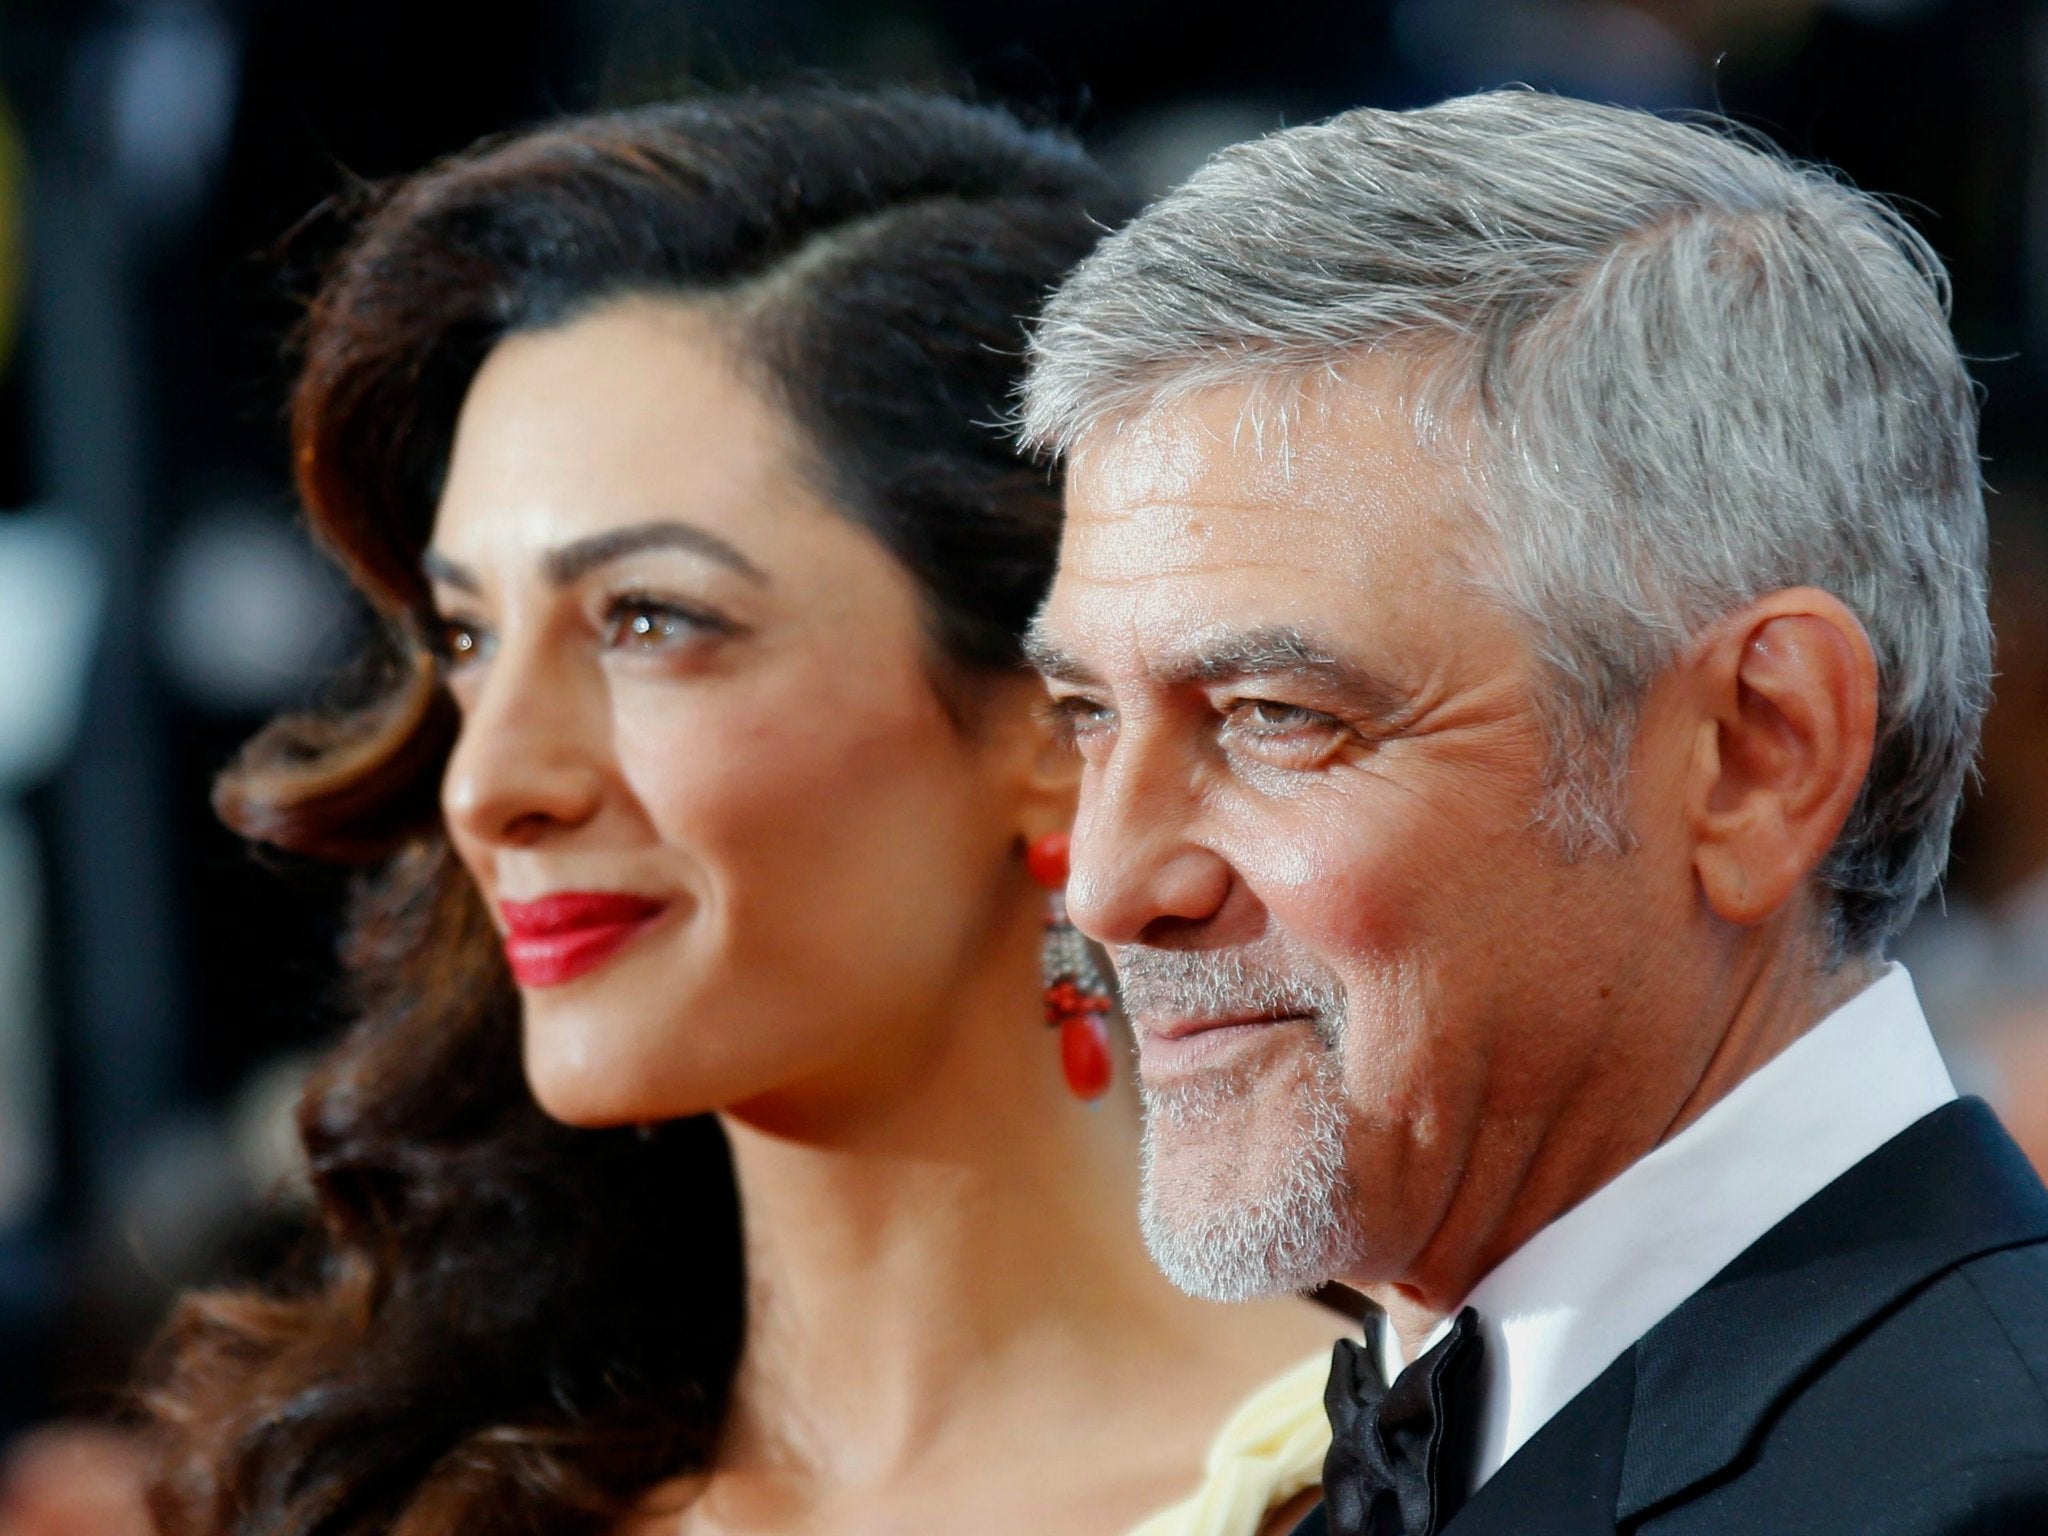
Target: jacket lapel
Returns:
[[1564, 1482], [1688, 1400], [1948, 1188]]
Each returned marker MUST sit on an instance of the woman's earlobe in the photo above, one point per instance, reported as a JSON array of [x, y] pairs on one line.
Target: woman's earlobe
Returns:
[[1055, 768]]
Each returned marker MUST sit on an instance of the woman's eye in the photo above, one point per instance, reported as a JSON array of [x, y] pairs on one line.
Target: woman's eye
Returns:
[[635, 623], [456, 643]]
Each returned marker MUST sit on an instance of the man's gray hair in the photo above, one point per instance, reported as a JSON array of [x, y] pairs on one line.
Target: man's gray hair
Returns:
[[1680, 371]]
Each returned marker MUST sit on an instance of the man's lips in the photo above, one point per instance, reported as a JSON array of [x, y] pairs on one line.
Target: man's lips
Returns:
[[1167, 1046], [567, 934]]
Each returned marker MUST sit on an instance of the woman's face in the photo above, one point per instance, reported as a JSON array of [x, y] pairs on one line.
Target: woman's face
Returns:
[[741, 855]]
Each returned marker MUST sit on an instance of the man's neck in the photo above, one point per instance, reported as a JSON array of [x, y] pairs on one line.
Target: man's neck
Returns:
[[1611, 1125], [1774, 1012], [1578, 1294]]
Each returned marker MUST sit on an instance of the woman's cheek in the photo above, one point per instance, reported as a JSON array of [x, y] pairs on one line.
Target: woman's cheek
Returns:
[[696, 761]]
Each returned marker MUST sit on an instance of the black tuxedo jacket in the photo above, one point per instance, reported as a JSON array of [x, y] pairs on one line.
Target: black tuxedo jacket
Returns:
[[1876, 1363]]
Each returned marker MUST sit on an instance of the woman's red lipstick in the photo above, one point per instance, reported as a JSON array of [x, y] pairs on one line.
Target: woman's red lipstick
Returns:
[[571, 933]]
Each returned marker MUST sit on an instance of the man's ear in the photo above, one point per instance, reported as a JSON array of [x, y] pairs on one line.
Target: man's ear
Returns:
[[1784, 693]]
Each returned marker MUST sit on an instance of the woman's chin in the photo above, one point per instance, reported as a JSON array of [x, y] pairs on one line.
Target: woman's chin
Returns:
[[592, 1078]]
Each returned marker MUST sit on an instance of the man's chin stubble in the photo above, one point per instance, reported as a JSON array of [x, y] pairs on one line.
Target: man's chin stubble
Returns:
[[1233, 1215]]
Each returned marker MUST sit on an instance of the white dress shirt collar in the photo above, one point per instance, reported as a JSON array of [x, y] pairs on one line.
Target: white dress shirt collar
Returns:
[[1566, 1304]]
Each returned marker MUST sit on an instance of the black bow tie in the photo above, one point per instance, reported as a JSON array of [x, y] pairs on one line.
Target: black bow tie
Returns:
[[1400, 1461]]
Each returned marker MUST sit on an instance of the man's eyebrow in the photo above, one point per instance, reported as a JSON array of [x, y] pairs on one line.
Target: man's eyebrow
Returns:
[[578, 558], [1238, 656], [1251, 653], [1283, 651], [1054, 664]]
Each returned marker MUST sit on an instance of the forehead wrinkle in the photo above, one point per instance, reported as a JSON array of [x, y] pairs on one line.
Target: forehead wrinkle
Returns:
[[1138, 541], [1357, 454]]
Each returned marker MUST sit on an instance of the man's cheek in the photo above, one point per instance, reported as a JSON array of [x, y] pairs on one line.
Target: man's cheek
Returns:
[[1348, 891]]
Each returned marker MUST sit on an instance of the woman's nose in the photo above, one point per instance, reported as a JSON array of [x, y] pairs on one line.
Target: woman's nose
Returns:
[[528, 760]]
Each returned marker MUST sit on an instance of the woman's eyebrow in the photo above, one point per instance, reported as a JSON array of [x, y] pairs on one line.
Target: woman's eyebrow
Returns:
[[581, 556], [443, 572], [569, 562]]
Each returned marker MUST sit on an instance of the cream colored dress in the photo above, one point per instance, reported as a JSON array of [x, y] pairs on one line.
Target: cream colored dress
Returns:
[[1266, 1453]]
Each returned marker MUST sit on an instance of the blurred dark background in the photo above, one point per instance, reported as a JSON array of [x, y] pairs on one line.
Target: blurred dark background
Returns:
[[160, 985]]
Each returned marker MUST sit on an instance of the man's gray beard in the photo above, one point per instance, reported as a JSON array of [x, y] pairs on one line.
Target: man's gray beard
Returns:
[[1298, 1229]]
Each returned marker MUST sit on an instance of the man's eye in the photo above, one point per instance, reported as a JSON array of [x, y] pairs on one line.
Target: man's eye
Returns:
[[1077, 721], [1265, 715], [1289, 735]]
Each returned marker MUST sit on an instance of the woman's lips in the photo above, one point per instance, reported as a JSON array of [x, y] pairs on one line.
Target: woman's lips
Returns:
[[570, 933]]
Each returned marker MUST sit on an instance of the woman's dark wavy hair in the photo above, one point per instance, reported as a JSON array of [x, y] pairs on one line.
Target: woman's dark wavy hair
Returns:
[[510, 1325]]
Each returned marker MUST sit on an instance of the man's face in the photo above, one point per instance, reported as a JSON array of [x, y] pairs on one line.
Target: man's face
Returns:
[[1363, 979]]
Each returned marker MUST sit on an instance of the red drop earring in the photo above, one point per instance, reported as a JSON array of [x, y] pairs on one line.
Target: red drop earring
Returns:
[[1077, 993]]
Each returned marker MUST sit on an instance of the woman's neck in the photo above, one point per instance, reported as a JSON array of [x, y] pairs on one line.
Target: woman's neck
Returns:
[[907, 1271]]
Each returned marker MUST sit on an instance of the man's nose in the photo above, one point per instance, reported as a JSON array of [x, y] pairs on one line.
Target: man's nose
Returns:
[[1137, 869], [528, 758]]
